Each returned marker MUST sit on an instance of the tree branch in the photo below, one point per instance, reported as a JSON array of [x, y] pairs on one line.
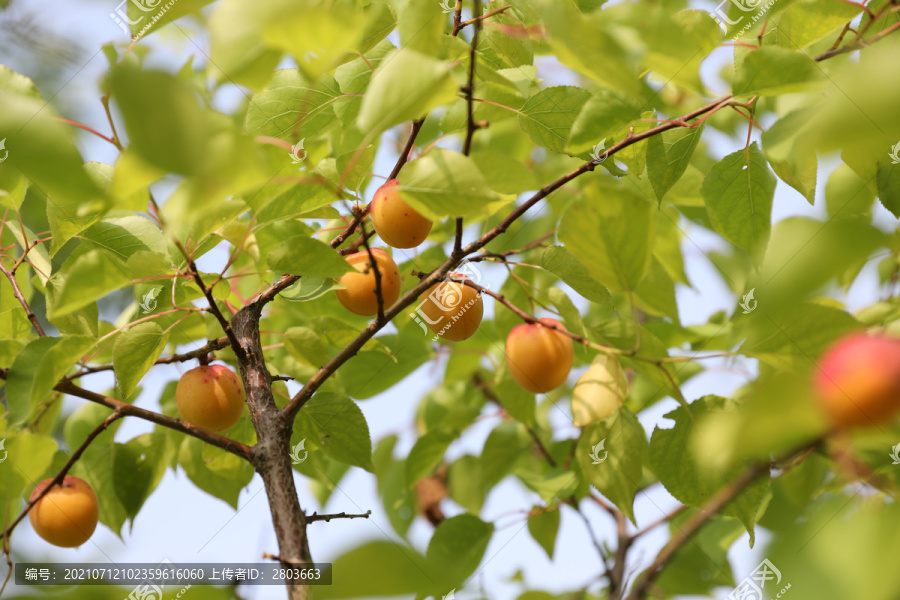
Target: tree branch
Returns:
[[58, 479], [485, 16], [129, 410], [692, 526], [379, 295], [858, 44], [286, 281], [404, 156], [317, 517], [210, 346], [18, 294], [213, 307], [488, 393]]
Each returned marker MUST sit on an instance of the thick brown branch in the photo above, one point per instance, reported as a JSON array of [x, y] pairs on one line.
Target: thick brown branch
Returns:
[[18, 294], [58, 479]]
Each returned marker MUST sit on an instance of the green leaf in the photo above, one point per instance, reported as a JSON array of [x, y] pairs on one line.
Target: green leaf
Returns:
[[772, 70], [422, 25], [456, 549], [656, 292], [425, 456], [698, 567], [39, 367], [805, 22], [516, 401], [163, 118], [444, 183], [89, 277], [548, 116], [27, 456], [329, 33], [398, 499], [40, 148], [588, 45], [888, 182], [309, 288], [795, 163], [610, 231], [604, 115], [238, 53], [503, 447], [138, 467], [122, 237], [787, 339], [561, 263], [134, 352], [804, 254], [739, 191], [337, 425], [839, 550], [617, 444], [543, 527], [599, 392], [846, 193], [668, 156], [504, 174], [381, 568], [674, 462], [292, 108], [305, 345], [373, 371], [212, 470], [148, 17], [303, 255], [406, 85], [464, 483]]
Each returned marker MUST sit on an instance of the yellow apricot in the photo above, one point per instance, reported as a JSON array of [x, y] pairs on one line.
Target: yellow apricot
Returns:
[[211, 397], [539, 358], [358, 295], [67, 515], [453, 310], [395, 221]]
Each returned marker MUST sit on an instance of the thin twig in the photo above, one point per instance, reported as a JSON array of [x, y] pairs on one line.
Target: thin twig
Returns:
[[404, 156], [210, 346], [373, 264], [213, 306], [317, 517], [488, 393], [18, 294], [485, 16]]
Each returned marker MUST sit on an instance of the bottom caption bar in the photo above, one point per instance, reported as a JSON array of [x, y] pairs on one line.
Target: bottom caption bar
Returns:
[[168, 573]]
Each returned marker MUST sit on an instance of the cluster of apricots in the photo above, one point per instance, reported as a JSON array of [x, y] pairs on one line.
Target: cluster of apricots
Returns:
[[539, 357]]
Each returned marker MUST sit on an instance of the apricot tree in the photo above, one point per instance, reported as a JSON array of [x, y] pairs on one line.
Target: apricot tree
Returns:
[[583, 201]]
